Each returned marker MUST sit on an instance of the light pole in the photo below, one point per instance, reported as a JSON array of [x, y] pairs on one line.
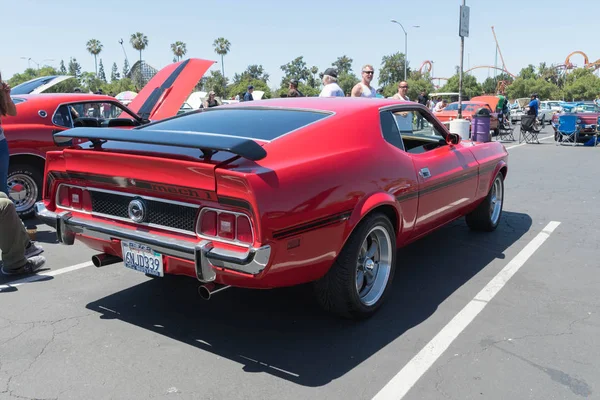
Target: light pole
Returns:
[[405, 44]]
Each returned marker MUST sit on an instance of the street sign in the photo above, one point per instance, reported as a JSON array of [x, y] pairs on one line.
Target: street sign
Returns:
[[463, 29]]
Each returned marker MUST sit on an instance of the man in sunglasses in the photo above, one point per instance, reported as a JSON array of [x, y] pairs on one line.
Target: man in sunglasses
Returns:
[[402, 92], [363, 88]]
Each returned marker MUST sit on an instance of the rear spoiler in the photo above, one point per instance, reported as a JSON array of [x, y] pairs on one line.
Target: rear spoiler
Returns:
[[207, 142]]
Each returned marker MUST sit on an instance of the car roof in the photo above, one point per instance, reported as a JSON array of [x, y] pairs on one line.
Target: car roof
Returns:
[[330, 104]]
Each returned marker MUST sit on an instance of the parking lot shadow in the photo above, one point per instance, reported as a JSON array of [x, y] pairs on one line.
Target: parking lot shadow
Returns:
[[283, 332]]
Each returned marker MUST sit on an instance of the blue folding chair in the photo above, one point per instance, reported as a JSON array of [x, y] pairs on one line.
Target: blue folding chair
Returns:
[[567, 129]]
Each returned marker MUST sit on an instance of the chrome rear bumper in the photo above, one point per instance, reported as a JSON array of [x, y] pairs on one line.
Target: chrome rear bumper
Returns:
[[203, 253]]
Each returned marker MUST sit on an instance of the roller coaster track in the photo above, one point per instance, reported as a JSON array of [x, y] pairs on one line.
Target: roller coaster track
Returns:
[[491, 66], [586, 62]]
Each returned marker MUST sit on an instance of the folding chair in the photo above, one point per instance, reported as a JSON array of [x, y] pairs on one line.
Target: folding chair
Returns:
[[567, 129], [528, 133], [505, 130]]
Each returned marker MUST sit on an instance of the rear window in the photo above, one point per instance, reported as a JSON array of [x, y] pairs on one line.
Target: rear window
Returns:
[[263, 124]]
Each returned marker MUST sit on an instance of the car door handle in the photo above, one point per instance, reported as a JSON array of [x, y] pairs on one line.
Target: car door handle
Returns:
[[424, 172]]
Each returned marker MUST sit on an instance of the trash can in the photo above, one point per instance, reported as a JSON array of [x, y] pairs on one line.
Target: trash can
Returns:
[[481, 125]]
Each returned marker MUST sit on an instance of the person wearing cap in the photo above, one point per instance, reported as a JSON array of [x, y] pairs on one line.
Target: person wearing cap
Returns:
[[293, 89], [331, 87], [248, 94]]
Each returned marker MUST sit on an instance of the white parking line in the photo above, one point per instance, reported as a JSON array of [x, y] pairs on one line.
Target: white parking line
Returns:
[[523, 144], [43, 275], [400, 384]]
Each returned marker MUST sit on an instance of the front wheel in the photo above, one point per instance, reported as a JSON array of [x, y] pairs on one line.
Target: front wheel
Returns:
[[360, 278], [487, 214], [24, 188]]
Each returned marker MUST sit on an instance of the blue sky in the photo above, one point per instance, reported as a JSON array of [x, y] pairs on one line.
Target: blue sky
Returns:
[[272, 33]]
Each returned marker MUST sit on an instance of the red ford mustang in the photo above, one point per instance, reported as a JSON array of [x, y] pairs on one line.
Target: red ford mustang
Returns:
[[29, 133], [273, 193]]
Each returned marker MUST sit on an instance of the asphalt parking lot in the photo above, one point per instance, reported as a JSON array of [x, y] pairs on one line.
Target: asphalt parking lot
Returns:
[[507, 315]]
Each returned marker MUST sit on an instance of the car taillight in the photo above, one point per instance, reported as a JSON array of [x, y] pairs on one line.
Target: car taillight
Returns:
[[74, 197], [208, 224], [244, 230], [225, 225]]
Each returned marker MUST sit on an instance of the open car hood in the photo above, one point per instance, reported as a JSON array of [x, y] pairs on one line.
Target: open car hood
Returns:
[[163, 96], [38, 85]]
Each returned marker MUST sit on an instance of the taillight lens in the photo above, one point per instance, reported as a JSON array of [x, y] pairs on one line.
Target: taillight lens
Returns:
[[244, 230], [64, 198], [74, 197], [208, 225], [226, 228], [226, 225]]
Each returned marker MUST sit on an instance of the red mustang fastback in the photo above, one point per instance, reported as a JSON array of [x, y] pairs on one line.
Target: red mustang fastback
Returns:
[[39, 116], [273, 193]]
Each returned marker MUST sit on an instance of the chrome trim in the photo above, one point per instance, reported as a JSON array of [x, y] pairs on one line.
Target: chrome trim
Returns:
[[202, 253], [235, 241], [102, 215]]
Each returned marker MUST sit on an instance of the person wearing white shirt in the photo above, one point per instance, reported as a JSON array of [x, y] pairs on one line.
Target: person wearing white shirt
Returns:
[[331, 88]]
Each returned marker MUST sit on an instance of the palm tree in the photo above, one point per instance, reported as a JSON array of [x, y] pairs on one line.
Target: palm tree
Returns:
[[178, 48], [139, 41], [222, 47], [94, 47]]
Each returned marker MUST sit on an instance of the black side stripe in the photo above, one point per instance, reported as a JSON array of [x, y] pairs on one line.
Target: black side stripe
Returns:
[[150, 102], [453, 181], [303, 228]]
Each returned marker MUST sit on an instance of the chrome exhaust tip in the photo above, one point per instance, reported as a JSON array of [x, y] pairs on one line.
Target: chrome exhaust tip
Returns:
[[101, 260], [207, 290]]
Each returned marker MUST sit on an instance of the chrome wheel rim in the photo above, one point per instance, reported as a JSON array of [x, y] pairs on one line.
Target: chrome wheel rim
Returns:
[[373, 266], [23, 191], [496, 200]]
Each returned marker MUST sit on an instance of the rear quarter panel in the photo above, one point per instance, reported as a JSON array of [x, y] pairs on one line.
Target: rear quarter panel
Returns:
[[492, 157], [314, 188]]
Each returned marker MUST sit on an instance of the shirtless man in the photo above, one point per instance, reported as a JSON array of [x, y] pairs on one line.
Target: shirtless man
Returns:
[[363, 88]]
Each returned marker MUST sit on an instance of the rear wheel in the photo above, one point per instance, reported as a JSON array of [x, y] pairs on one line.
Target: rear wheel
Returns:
[[24, 188], [360, 279], [487, 215]]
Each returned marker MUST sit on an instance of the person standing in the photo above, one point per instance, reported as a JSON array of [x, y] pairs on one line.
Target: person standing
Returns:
[[293, 89], [402, 92], [7, 107], [331, 87], [248, 94], [363, 88]]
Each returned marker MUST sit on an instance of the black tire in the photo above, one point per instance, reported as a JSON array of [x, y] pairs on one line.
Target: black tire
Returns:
[[28, 174], [481, 219], [337, 291]]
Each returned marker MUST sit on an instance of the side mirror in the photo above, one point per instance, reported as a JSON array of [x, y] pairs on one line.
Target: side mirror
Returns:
[[453, 138]]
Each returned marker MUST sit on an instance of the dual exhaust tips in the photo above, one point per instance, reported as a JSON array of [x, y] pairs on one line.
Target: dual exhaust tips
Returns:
[[205, 290]]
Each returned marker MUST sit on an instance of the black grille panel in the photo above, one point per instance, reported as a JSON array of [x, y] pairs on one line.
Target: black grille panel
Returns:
[[158, 212]]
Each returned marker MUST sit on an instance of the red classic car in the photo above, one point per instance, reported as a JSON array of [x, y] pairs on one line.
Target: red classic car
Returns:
[[587, 118], [273, 193], [469, 108], [39, 115]]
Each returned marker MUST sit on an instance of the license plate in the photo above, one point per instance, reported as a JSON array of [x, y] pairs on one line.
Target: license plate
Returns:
[[142, 258]]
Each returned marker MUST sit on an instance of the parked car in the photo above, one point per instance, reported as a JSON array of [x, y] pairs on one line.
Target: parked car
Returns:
[[40, 115], [469, 108], [287, 192], [587, 118]]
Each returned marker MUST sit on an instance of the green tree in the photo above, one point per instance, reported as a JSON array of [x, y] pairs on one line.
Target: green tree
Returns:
[[139, 41], [525, 87], [392, 69], [114, 74], [528, 72], [471, 87], [222, 47], [125, 68], [179, 49], [217, 83], [581, 84], [94, 47], [295, 69], [342, 64], [74, 68], [346, 81], [62, 70], [252, 72], [101, 73]]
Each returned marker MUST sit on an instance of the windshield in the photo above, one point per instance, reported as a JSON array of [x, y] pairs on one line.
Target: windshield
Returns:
[[465, 107], [261, 124], [586, 108]]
